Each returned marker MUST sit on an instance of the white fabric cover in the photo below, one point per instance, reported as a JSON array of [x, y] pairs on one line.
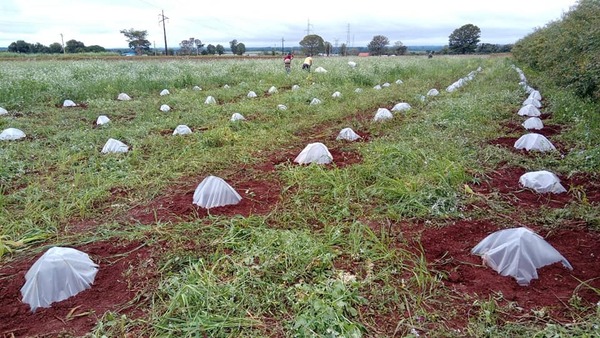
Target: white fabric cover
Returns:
[[197, 88], [164, 92], [399, 81], [272, 90], [382, 114], [535, 95], [529, 110], [542, 182], [165, 108], [518, 253], [214, 192], [377, 87], [210, 100], [336, 94], [295, 87], [385, 85], [58, 274], [347, 134], [533, 141], [114, 146], [402, 106], [123, 97], [282, 107], [352, 64], [320, 70], [536, 103], [433, 92], [251, 94], [182, 129], [226, 86], [10, 134], [451, 88], [69, 103], [533, 123], [315, 101], [3, 111], [237, 117], [314, 153], [102, 119]]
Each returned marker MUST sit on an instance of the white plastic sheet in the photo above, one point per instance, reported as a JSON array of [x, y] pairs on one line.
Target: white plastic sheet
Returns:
[[352, 64], [11, 134], [58, 274], [165, 108], [237, 117], [402, 106], [114, 146], [536, 103], [533, 123], [315, 101], [320, 70], [358, 90], [295, 87], [182, 129], [210, 100], [214, 192], [383, 114], [535, 94], [533, 141], [542, 182], [102, 119], [3, 111], [433, 92], [197, 88], [399, 81], [529, 110], [347, 134], [518, 253], [272, 90], [226, 86], [164, 92], [251, 94], [385, 85], [123, 97], [314, 153], [69, 103], [336, 94], [282, 107], [377, 87]]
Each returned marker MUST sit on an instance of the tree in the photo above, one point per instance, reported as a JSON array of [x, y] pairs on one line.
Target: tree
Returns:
[[20, 46], [233, 45], [241, 48], [220, 49], [312, 44], [343, 49], [377, 45], [137, 40], [55, 48], [464, 39], [328, 48], [74, 46], [198, 45], [211, 49], [186, 46], [95, 49], [399, 48]]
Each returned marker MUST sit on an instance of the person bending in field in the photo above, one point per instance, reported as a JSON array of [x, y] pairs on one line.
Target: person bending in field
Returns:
[[307, 62], [287, 61]]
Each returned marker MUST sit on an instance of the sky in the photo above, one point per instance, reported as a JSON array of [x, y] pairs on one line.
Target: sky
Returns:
[[268, 23]]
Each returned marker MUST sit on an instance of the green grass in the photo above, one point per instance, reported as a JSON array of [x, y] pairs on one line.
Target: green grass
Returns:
[[329, 259]]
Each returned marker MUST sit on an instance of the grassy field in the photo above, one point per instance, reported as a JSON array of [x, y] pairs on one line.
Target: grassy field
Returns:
[[336, 250]]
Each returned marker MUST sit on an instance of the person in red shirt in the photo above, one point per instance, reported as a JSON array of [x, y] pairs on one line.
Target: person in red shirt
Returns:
[[287, 61]]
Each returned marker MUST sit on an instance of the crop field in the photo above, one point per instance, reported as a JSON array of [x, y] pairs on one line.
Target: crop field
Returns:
[[376, 243]]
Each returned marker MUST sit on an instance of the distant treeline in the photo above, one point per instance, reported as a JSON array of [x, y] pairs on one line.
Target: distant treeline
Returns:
[[72, 46], [567, 51]]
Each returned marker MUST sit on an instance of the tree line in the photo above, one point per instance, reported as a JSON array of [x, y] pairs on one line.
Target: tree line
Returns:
[[463, 40], [72, 46]]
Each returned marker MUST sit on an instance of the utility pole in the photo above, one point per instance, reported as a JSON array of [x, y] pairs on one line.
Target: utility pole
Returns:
[[282, 49], [163, 18], [62, 40]]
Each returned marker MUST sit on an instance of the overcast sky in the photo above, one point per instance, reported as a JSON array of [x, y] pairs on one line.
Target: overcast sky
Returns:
[[264, 23]]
